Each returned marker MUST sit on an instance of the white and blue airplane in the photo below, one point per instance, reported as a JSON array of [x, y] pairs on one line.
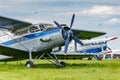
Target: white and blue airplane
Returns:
[[23, 40], [91, 48]]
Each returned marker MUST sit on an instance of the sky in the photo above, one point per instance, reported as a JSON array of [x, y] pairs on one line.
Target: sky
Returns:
[[93, 15]]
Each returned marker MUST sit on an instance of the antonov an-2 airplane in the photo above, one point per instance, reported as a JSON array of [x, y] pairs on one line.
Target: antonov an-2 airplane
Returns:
[[23, 40], [92, 48]]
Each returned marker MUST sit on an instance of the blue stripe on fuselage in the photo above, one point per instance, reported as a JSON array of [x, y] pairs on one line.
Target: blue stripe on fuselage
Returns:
[[94, 50], [31, 36]]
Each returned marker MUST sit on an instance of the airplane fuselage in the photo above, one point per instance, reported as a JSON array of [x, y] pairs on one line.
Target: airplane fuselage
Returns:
[[93, 46], [37, 41]]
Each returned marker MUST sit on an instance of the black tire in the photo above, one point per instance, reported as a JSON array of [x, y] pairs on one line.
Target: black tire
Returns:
[[90, 58], [63, 64], [99, 58], [29, 64]]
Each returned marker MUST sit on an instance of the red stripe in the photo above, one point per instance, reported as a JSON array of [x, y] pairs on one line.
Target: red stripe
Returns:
[[113, 38]]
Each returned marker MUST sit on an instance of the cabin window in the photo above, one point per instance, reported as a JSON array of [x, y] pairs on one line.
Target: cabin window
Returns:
[[92, 43], [48, 25], [34, 29], [21, 32], [42, 27], [101, 43], [88, 44]]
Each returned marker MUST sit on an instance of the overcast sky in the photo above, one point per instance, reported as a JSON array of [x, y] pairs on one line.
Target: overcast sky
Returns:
[[96, 15]]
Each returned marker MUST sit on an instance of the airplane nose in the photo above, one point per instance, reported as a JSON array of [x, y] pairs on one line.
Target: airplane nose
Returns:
[[68, 34]]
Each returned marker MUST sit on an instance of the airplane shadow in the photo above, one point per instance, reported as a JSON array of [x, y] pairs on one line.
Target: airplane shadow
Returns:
[[81, 65], [53, 66], [45, 66]]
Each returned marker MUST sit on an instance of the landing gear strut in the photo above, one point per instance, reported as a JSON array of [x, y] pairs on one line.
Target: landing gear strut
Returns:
[[29, 63], [53, 57], [55, 60]]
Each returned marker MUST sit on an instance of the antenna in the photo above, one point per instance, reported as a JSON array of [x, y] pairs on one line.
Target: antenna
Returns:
[[37, 14]]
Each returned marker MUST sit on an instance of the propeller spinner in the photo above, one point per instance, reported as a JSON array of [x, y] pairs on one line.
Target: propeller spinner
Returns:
[[69, 33]]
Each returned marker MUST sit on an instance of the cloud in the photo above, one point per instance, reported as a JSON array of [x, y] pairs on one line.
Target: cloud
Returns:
[[102, 10], [2, 6], [113, 21], [35, 21], [90, 1], [98, 11]]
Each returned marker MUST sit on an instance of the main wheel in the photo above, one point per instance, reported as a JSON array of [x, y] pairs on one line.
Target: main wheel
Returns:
[[99, 58], [63, 64], [90, 58], [29, 64]]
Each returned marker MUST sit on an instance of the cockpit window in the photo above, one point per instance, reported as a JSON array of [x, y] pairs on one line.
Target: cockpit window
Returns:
[[42, 27], [45, 26], [48, 25], [34, 29]]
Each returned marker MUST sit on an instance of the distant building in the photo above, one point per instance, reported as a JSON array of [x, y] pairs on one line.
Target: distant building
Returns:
[[114, 54]]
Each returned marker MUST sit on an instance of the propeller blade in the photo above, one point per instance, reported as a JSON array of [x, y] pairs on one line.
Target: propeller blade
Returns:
[[77, 40], [58, 25], [66, 45], [109, 48], [72, 20], [69, 34]]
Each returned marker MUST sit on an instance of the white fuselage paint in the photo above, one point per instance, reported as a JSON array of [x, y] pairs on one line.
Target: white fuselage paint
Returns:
[[36, 44], [94, 46]]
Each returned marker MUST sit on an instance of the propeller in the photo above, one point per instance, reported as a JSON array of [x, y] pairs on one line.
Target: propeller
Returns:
[[69, 33], [109, 48]]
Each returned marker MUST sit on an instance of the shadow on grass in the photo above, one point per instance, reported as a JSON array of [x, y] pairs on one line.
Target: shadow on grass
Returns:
[[75, 65], [69, 65], [46, 66]]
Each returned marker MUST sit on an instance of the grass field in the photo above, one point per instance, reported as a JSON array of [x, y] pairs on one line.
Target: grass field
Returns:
[[75, 70]]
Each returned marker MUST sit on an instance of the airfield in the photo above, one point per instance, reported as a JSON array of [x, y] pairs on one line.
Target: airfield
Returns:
[[75, 70]]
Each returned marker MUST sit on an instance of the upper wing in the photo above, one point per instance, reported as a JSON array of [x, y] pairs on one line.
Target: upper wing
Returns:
[[13, 24], [82, 34]]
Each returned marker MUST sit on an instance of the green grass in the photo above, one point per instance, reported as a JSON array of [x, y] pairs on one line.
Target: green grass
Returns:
[[75, 70]]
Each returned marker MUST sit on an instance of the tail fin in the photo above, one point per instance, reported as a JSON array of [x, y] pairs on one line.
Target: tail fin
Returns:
[[112, 38]]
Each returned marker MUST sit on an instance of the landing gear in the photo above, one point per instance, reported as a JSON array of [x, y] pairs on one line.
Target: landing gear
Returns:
[[90, 58], [29, 64], [98, 57], [53, 57], [55, 60], [63, 64]]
